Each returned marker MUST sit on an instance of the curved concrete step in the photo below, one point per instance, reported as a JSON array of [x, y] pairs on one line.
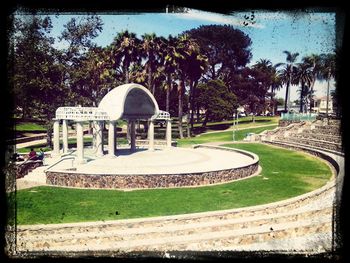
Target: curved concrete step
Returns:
[[217, 238], [128, 231]]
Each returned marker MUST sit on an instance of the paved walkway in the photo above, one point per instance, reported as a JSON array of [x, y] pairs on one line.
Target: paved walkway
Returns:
[[238, 129], [43, 141], [32, 143]]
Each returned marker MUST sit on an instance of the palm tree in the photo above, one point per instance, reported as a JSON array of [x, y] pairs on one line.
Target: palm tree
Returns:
[[125, 49], [314, 62], [286, 75], [303, 76], [308, 96], [328, 72], [191, 65], [150, 49], [170, 63], [273, 81]]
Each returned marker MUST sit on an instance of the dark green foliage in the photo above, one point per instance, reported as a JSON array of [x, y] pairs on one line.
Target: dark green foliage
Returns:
[[225, 47], [216, 99]]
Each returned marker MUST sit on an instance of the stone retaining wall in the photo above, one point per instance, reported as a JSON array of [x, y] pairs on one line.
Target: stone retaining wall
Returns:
[[134, 181], [118, 181], [24, 168], [316, 143]]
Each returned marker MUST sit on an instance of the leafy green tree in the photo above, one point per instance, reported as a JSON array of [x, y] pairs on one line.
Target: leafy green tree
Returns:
[[251, 90], [93, 77], [226, 48], [32, 58], [217, 100], [39, 74], [79, 35], [84, 61]]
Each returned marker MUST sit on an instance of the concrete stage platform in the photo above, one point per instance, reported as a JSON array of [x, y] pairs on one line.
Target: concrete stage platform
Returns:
[[168, 167], [163, 161]]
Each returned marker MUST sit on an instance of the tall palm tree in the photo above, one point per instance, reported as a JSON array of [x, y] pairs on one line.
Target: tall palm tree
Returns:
[[125, 49], [308, 96], [150, 50], [191, 66], [287, 74], [170, 63], [273, 81], [328, 72], [314, 62], [303, 76]]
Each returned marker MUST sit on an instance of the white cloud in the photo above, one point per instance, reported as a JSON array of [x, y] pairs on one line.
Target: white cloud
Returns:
[[216, 18]]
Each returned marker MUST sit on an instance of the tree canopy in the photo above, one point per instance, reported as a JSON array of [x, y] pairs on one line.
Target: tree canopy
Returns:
[[204, 68], [217, 100]]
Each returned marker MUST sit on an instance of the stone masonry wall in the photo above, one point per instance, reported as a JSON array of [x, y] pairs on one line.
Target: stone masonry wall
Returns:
[[117, 181]]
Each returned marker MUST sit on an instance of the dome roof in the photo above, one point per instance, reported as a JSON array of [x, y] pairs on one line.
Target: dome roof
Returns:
[[129, 101]]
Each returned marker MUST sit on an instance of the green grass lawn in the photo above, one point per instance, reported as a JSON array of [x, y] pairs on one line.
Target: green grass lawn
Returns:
[[29, 127], [245, 122], [285, 174], [225, 136], [72, 143]]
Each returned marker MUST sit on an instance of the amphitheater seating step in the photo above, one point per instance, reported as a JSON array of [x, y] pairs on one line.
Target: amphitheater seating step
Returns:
[[203, 231]]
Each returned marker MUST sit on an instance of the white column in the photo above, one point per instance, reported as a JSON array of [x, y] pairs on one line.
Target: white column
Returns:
[[94, 135], [56, 137], [80, 142], [65, 136], [132, 135], [168, 133], [99, 138], [151, 136], [111, 138]]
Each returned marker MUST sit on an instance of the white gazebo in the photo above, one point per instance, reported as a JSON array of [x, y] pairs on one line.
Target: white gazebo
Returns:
[[129, 101]]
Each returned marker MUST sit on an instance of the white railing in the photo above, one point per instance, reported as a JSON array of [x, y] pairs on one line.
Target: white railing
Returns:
[[59, 161], [81, 113], [298, 116], [163, 115]]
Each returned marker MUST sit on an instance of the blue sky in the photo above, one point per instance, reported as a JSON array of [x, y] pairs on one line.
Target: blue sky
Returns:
[[271, 34]]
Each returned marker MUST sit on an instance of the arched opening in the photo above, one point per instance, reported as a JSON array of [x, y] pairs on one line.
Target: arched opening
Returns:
[[138, 105]]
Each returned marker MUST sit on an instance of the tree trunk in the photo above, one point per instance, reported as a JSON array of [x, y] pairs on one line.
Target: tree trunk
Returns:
[[301, 97], [49, 128], [204, 124], [272, 102], [24, 112], [149, 78], [327, 98], [286, 98], [188, 126], [253, 118], [126, 70], [180, 90], [167, 107], [192, 96], [311, 91], [198, 116]]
